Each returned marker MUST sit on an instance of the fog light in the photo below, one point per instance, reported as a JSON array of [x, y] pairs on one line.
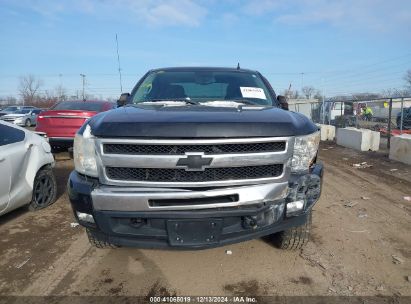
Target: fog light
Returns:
[[294, 208], [85, 217]]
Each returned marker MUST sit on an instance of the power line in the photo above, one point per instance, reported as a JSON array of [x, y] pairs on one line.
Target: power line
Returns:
[[361, 73], [354, 71]]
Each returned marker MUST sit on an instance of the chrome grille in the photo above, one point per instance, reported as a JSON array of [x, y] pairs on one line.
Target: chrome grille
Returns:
[[179, 175], [205, 148], [193, 162]]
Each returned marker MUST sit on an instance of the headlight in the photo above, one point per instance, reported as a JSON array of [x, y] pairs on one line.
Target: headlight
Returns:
[[19, 120], [84, 153], [305, 150]]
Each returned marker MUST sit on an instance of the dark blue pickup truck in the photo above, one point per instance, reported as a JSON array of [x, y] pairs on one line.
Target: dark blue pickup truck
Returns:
[[196, 158]]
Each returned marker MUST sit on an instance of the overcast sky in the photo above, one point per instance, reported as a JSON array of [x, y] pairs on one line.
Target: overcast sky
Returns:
[[342, 46]]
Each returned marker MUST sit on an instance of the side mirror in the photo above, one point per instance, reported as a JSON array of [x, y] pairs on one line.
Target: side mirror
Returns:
[[283, 102], [123, 99]]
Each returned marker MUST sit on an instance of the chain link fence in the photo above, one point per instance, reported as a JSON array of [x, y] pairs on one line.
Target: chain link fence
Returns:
[[309, 107], [389, 116]]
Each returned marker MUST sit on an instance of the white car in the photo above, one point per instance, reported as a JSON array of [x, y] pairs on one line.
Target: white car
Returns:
[[26, 176], [23, 117], [12, 109]]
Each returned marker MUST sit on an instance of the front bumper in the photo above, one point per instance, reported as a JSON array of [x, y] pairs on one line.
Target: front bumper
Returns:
[[9, 120], [16, 121], [20, 123], [61, 142], [148, 218]]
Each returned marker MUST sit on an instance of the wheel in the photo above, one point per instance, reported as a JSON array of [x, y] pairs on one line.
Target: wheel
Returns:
[[98, 243], [27, 123], [44, 190], [294, 238]]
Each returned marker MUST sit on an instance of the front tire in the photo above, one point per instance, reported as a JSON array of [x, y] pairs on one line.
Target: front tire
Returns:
[[95, 242], [294, 238], [44, 190], [27, 123]]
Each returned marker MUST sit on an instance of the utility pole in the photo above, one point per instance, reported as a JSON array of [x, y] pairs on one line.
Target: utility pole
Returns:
[[302, 80], [289, 91], [84, 82]]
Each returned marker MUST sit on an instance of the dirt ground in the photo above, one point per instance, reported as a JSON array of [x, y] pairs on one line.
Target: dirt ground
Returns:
[[361, 245]]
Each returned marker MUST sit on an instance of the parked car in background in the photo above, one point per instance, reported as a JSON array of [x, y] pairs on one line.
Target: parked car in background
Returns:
[[334, 109], [61, 122], [406, 119], [12, 109], [8, 110], [26, 169], [23, 117]]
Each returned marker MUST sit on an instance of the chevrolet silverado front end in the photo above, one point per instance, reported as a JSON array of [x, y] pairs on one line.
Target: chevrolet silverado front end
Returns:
[[188, 172]]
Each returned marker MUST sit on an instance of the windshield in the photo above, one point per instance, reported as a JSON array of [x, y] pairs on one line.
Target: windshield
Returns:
[[79, 105], [203, 86], [25, 111]]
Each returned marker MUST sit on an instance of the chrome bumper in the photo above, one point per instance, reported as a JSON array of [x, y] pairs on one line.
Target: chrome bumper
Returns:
[[107, 198]]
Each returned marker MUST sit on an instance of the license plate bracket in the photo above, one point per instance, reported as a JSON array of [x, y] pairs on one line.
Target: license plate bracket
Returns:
[[192, 232]]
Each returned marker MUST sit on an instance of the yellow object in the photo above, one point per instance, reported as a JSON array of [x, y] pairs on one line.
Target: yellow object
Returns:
[[368, 110]]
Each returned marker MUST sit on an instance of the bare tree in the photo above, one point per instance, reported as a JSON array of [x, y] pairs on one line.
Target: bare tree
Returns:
[[8, 100], [365, 96], [28, 87], [61, 93], [11, 100], [394, 92], [290, 94], [318, 95], [308, 91]]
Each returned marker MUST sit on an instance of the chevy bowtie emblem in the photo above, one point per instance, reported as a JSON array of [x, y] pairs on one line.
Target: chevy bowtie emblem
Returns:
[[194, 162]]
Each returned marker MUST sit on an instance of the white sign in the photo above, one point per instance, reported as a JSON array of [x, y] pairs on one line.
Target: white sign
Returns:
[[251, 92]]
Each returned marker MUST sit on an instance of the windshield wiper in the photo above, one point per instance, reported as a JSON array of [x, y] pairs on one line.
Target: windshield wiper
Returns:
[[245, 101], [186, 100]]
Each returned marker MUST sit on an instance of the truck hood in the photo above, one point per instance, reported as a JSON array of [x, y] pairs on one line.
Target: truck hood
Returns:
[[197, 121]]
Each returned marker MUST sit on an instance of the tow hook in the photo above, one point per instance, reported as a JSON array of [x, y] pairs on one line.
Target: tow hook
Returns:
[[250, 222], [138, 222]]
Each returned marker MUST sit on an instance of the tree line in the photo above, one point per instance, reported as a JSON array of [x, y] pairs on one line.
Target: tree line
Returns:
[[30, 92]]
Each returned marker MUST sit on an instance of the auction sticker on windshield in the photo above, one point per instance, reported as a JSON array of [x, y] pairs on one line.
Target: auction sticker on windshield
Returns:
[[251, 92]]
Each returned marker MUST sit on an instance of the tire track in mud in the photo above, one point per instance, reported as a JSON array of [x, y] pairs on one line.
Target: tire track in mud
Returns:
[[71, 259]]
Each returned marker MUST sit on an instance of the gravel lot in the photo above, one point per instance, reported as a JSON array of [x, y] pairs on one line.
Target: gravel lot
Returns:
[[358, 247]]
